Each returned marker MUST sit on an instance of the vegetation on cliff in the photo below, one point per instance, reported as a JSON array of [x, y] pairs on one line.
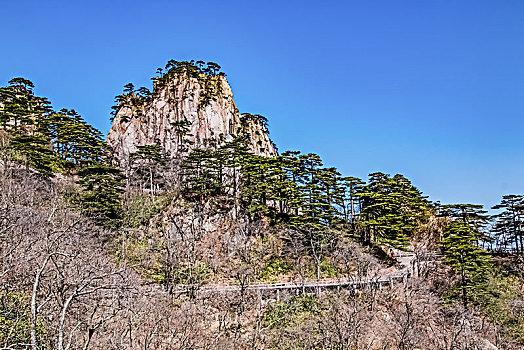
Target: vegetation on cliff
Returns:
[[207, 75]]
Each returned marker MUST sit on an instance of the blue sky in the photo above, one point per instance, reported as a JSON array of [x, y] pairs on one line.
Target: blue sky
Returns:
[[430, 89]]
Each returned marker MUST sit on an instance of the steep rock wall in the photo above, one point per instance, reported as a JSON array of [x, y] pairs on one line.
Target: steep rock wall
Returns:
[[209, 124]]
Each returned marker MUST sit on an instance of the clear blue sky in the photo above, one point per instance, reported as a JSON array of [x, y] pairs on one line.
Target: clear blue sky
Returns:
[[430, 89]]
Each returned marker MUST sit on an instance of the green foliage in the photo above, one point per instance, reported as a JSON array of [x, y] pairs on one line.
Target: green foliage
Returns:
[[45, 140], [472, 214], [151, 153], [76, 142], [134, 99], [247, 118], [277, 187], [20, 109], [155, 273], [500, 303], [328, 270], [351, 200], [140, 209], [101, 194], [273, 268], [392, 209], [203, 174], [297, 190], [508, 229], [181, 129], [292, 311], [191, 275], [147, 166], [34, 151], [51, 142], [15, 322], [207, 74], [260, 184], [467, 260]]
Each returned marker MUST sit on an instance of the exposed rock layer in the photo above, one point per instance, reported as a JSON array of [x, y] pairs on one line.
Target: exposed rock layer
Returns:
[[211, 124]]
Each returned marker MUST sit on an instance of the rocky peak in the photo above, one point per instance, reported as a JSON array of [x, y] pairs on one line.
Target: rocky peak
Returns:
[[187, 109]]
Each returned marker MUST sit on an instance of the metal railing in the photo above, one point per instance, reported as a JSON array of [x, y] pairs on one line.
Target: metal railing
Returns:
[[307, 284]]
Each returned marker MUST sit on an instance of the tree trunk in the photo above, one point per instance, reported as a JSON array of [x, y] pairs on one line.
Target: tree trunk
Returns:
[[464, 295], [62, 322], [34, 309], [151, 181], [352, 209]]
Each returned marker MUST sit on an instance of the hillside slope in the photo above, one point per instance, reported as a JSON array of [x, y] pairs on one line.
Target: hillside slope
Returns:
[[170, 250]]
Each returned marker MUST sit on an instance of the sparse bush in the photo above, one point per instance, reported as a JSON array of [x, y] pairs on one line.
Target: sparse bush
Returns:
[[274, 268]]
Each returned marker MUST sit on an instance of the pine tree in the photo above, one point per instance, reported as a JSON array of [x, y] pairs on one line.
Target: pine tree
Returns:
[[45, 140], [466, 259], [201, 179], [471, 214], [311, 194], [235, 154], [331, 196], [391, 209], [283, 190], [147, 165], [75, 141], [291, 167], [509, 223], [36, 152], [101, 194], [353, 186], [256, 184], [181, 129], [20, 108]]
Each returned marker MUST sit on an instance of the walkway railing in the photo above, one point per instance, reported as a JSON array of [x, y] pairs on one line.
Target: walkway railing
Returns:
[[406, 259], [311, 284]]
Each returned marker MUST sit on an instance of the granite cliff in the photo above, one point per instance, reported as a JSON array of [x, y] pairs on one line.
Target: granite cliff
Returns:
[[187, 109]]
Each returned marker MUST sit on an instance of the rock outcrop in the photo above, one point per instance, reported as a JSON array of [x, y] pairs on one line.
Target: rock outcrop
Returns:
[[201, 104]]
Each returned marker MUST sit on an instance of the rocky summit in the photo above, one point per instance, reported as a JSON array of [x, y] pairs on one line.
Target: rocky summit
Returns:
[[196, 110]]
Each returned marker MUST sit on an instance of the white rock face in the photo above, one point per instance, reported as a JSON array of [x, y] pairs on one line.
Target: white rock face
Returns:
[[216, 122]]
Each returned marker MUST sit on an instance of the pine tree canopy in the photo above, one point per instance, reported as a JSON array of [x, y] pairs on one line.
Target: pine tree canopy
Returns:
[[46, 140], [391, 209], [508, 226], [101, 196], [466, 259]]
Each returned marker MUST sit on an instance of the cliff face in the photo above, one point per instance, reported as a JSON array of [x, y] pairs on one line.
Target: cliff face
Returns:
[[209, 118]]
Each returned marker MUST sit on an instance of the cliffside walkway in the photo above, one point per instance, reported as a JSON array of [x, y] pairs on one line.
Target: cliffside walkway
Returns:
[[406, 262], [326, 283]]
